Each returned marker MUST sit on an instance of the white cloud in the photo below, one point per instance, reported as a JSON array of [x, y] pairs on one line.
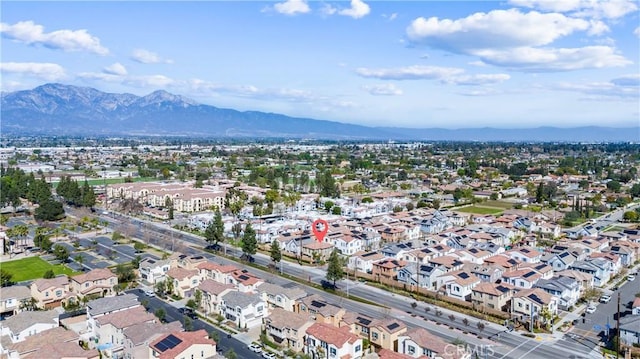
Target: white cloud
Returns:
[[383, 90], [390, 17], [115, 69], [328, 10], [292, 7], [68, 40], [609, 9], [357, 10], [149, 81], [478, 79], [627, 81], [517, 40], [147, 57], [531, 59], [41, 70], [602, 90], [637, 31], [495, 29], [409, 73]]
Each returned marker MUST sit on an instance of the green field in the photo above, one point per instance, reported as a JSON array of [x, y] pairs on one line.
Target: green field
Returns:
[[497, 204], [32, 268], [480, 210]]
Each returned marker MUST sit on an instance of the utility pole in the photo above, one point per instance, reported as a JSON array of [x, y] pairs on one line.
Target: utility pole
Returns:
[[618, 329]]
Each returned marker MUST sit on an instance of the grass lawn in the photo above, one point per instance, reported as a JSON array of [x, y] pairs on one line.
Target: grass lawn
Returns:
[[498, 204], [480, 210], [32, 268]]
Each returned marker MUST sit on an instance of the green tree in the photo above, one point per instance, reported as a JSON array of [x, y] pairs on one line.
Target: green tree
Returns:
[[630, 216], [274, 251], [198, 298], [61, 253], [139, 247], [49, 274], [161, 314], [230, 354], [191, 303], [125, 273], [249, 243], [49, 210], [335, 267], [214, 233], [88, 195], [168, 204], [5, 278], [188, 324]]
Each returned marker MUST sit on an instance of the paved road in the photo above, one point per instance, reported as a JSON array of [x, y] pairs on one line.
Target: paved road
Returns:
[[495, 341], [173, 314]]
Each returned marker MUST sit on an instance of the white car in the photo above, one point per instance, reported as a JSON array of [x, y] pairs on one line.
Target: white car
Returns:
[[150, 293], [268, 355], [255, 348], [605, 298], [631, 277], [590, 309]]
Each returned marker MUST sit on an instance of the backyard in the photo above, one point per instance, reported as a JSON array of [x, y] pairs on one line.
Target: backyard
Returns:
[[32, 268], [480, 210]]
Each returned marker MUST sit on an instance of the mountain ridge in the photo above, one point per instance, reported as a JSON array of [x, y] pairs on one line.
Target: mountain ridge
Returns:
[[58, 109]]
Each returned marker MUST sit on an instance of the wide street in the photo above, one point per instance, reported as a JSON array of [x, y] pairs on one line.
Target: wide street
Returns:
[[494, 341]]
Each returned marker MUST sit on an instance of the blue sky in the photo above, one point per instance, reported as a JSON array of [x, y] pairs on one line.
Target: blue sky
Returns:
[[450, 64]]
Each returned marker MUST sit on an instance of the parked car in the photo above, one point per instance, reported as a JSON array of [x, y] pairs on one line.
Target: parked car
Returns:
[[605, 298], [631, 277], [591, 309], [149, 293], [255, 348], [268, 355]]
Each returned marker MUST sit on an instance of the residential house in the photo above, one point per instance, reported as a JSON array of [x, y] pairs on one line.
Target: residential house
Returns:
[[388, 354], [12, 299], [419, 343], [358, 324], [317, 251], [287, 329], [28, 323], [51, 293], [533, 301], [584, 280], [504, 261], [56, 343], [212, 293], [545, 270], [109, 328], [153, 270], [327, 341], [320, 310], [521, 278], [566, 289], [493, 295], [98, 282], [280, 297], [184, 281], [525, 254], [245, 310], [598, 268], [424, 276], [384, 333], [217, 272], [363, 261], [559, 261], [103, 306], [244, 281], [449, 262], [387, 269], [183, 345], [138, 337], [626, 253], [486, 273], [458, 284]]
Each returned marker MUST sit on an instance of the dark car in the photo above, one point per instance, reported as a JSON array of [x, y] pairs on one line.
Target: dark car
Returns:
[[188, 312], [328, 285]]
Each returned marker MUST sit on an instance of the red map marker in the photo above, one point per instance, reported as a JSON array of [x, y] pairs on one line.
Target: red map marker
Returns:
[[320, 233]]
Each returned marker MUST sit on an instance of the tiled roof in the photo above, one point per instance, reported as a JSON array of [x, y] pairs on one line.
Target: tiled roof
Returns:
[[332, 335], [148, 331], [110, 304], [96, 274], [126, 318], [181, 273], [280, 318], [23, 320], [57, 282], [213, 287], [187, 340]]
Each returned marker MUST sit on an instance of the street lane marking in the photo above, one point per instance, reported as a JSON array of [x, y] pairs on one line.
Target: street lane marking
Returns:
[[512, 350], [532, 349]]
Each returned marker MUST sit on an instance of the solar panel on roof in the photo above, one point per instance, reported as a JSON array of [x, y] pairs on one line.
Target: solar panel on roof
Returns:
[[243, 277], [364, 321], [463, 275], [393, 326], [317, 304], [529, 274], [170, 342]]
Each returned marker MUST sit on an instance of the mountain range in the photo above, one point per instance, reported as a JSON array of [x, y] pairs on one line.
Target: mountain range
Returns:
[[58, 109]]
